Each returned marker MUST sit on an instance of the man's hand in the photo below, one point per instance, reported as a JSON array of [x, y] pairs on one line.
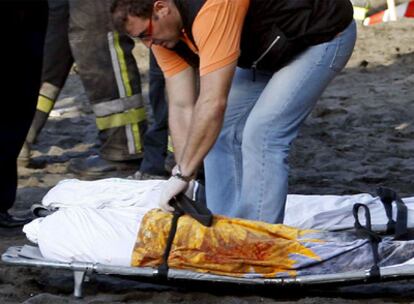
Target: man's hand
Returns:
[[171, 188]]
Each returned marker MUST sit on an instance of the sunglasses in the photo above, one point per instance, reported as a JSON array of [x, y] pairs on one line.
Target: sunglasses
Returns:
[[145, 35]]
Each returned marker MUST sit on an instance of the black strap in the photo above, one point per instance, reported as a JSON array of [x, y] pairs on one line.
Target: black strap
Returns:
[[398, 228], [387, 197], [182, 205], [374, 238], [162, 272]]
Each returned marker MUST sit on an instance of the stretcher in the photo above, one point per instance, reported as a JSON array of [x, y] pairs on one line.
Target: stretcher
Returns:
[[30, 256], [372, 270]]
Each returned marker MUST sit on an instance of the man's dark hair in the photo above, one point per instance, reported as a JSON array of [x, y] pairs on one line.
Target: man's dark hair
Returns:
[[120, 9]]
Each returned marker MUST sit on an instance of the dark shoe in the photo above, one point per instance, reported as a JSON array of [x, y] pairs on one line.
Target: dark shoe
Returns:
[[95, 166], [10, 221], [39, 210]]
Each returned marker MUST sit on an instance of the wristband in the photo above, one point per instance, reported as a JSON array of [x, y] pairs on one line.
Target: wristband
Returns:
[[179, 175]]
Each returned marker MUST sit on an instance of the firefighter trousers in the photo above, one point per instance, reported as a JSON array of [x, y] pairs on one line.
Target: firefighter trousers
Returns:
[[80, 31]]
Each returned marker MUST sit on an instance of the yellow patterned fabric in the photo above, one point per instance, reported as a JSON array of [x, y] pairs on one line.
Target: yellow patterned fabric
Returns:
[[232, 247]]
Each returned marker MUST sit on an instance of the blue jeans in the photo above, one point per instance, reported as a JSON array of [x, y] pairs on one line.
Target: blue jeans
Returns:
[[247, 168]]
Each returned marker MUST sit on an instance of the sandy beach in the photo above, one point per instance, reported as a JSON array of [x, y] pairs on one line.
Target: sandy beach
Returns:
[[359, 136]]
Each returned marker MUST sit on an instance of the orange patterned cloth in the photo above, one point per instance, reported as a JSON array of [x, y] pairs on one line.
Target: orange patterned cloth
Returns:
[[232, 247]]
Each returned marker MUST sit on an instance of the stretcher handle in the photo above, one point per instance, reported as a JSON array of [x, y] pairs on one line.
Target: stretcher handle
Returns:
[[374, 238], [399, 227]]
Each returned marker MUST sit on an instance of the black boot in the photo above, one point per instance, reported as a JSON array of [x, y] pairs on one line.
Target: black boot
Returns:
[[10, 221], [95, 166]]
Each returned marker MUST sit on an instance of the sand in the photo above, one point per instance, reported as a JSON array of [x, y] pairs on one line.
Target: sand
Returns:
[[360, 136]]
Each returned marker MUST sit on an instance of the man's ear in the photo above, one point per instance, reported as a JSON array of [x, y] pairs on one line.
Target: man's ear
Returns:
[[161, 8]]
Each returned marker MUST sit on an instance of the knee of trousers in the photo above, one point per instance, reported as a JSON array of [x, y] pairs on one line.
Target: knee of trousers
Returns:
[[267, 140]]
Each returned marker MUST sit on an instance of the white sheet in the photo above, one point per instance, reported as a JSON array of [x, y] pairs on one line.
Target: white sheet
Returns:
[[104, 193], [87, 234], [334, 212], [98, 220]]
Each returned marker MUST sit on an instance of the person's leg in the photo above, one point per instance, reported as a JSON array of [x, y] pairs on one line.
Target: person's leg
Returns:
[[274, 122], [223, 163], [23, 26], [110, 77], [57, 62], [156, 137]]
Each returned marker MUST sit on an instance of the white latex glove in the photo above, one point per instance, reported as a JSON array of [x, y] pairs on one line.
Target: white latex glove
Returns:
[[174, 170], [170, 189]]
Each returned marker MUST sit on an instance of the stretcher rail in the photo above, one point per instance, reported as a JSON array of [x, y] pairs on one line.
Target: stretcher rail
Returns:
[[81, 270]]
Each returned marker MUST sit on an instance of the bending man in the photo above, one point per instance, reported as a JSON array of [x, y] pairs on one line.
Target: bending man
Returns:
[[262, 65]]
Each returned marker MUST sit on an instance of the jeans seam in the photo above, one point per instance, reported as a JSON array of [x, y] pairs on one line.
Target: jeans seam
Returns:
[[339, 45], [261, 190], [239, 143], [237, 166], [337, 48]]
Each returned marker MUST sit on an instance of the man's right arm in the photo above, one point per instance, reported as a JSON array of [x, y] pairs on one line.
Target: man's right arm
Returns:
[[182, 95]]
